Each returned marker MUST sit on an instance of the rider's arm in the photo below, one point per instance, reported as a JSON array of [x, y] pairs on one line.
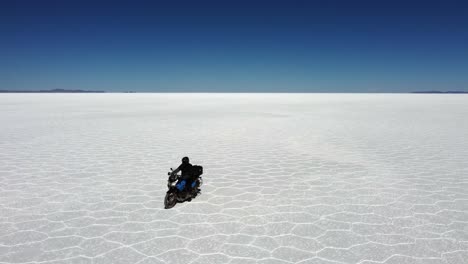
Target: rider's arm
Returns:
[[174, 172]]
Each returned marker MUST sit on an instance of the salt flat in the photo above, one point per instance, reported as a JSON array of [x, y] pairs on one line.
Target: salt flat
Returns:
[[289, 178]]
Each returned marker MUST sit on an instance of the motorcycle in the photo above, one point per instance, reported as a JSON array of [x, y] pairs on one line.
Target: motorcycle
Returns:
[[177, 193]]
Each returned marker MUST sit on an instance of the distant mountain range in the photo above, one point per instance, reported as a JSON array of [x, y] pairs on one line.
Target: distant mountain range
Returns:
[[50, 91], [441, 92], [86, 91]]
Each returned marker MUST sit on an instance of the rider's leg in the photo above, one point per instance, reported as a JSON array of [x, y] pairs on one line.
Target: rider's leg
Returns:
[[181, 185], [189, 185]]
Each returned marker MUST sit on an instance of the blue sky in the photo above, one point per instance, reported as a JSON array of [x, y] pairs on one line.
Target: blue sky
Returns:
[[234, 46]]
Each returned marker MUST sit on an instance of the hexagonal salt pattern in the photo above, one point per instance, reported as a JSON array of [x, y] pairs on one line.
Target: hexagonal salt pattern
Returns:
[[298, 178]]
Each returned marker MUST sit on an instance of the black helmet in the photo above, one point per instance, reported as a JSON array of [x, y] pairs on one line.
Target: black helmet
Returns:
[[185, 160]]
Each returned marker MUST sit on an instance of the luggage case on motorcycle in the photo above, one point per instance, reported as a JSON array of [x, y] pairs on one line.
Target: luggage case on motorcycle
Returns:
[[197, 170]]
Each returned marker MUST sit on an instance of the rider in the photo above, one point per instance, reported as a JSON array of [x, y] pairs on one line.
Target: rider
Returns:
[[186, 179]]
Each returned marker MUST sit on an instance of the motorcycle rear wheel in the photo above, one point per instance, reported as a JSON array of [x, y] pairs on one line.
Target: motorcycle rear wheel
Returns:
[[200, 182]]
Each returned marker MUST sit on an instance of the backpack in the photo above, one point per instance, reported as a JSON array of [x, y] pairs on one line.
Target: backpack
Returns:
[[197, 170]]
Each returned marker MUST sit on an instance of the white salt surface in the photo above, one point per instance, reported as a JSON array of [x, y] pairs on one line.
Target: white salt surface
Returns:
[[299, 178]]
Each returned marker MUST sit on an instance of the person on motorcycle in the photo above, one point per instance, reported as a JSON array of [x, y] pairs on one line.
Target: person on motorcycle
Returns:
[[186, 180]]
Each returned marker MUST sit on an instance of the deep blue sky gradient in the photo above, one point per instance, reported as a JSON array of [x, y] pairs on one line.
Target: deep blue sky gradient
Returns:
[[234, 46]]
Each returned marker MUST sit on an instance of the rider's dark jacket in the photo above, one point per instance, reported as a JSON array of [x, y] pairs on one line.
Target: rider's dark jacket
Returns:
[[186, 169]]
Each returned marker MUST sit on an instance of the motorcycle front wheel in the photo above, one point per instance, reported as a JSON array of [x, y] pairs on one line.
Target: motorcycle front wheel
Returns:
[[170, 200]]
